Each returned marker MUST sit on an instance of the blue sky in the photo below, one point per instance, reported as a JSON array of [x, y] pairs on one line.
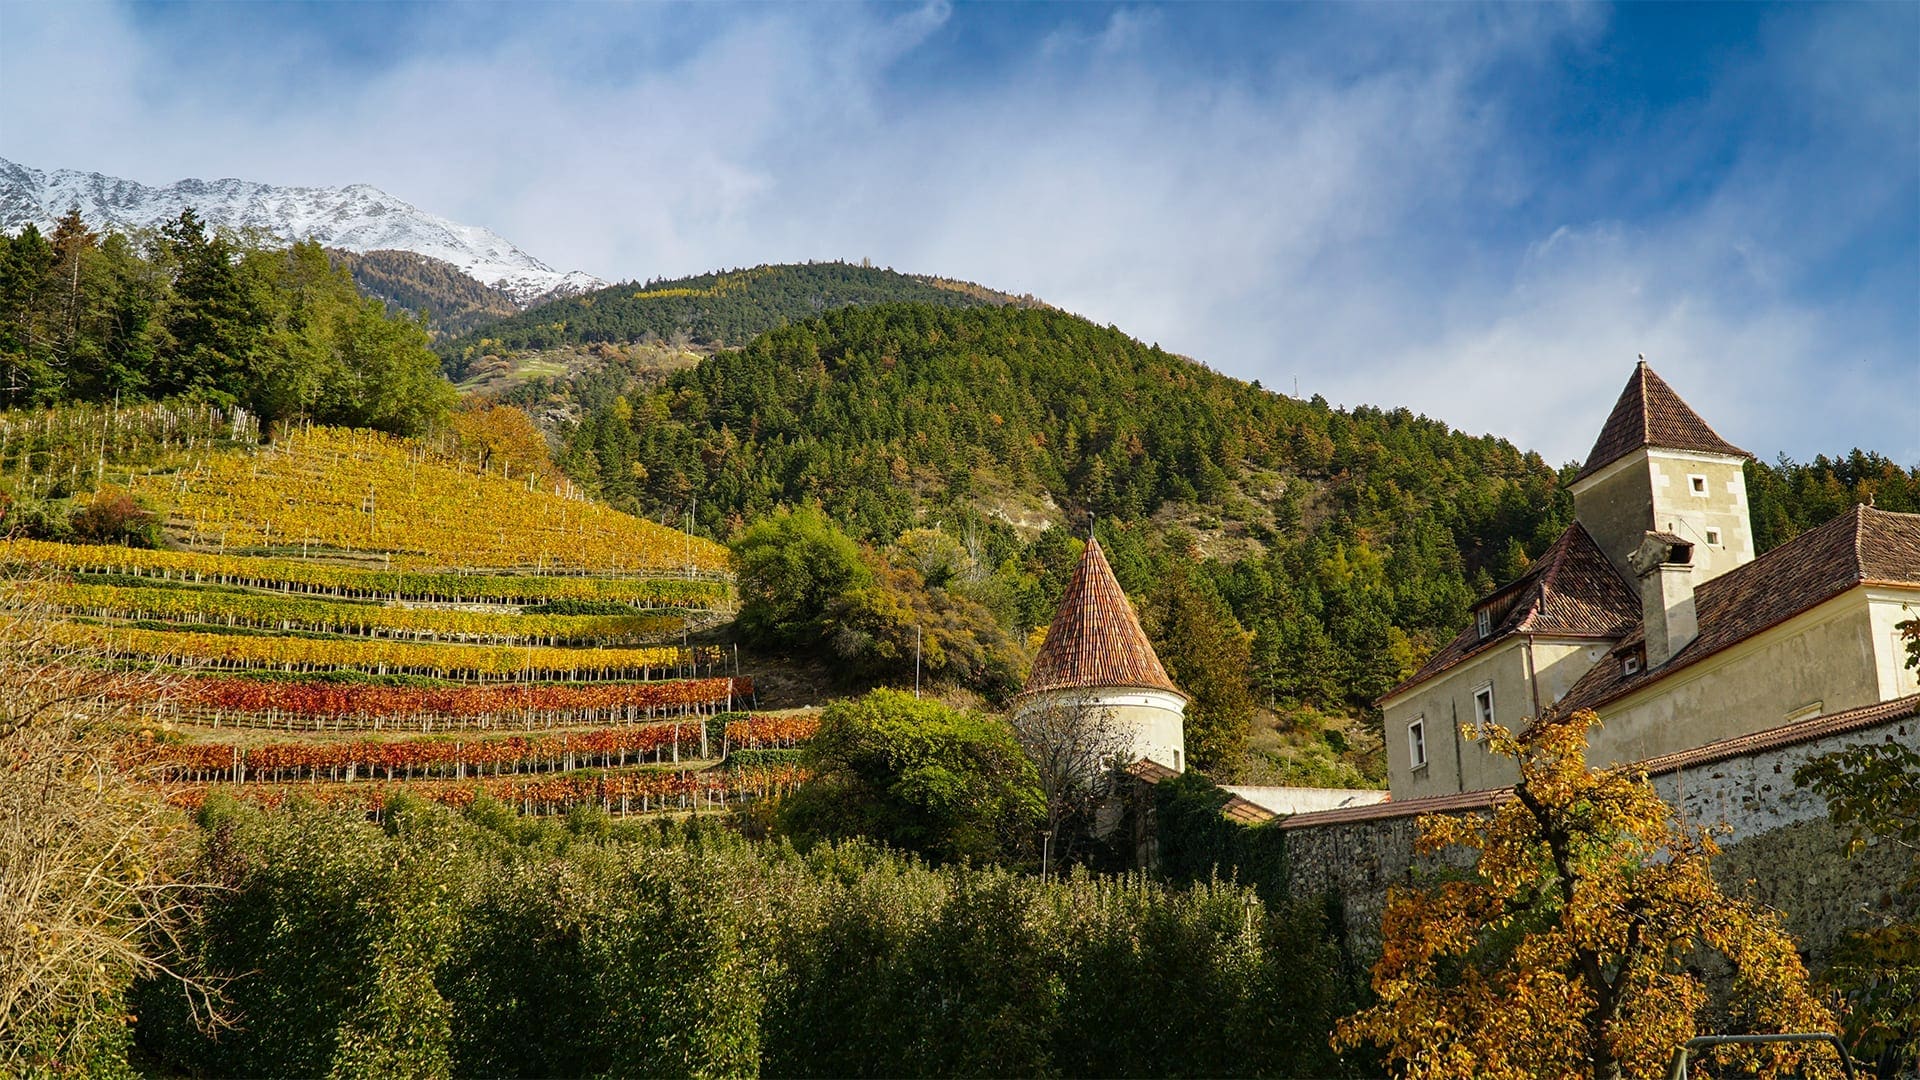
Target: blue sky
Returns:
[[1481, 213]]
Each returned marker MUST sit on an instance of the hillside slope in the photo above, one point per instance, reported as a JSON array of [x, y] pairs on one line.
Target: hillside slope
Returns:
[[725, 308], [408, 281]]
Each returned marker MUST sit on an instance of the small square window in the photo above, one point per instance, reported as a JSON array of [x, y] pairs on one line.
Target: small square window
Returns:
[[1483, 622], [1713, 537], [1417, 743], [1483, 705], [1697, 484], [1630, 665]]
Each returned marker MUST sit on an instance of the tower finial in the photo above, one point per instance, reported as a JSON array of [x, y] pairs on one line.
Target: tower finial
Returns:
[[1643, 359]]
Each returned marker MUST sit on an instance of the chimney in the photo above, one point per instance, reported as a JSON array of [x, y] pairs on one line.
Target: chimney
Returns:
[[1664, 565]]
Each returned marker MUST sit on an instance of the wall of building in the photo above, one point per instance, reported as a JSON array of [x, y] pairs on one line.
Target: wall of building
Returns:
[[1821, 661], [1154, 720], [1886, 609], [1515, 668], [1723, 506], [1616, 507], [1782, 850]]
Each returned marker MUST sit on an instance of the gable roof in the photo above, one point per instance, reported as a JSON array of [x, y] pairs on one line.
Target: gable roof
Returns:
[[1863, 546], [1649, 413], [1570, 591], [1095, 639]]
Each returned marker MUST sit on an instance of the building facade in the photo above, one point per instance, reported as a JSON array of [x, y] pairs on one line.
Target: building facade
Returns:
[[1653, 611]]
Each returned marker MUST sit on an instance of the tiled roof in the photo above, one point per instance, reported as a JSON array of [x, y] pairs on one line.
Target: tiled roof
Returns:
[[1861, 546], [1570, 591], [1236, 808], [1800, 731], [1649, 413], [1095, 640]]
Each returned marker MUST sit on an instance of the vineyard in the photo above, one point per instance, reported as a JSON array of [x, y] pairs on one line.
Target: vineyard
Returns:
[[345, 615], [363, 491]]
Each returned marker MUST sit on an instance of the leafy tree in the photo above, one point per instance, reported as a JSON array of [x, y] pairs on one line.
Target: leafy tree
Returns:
[[917, 775], [1570, 949], [793, 566], [1209, 656]]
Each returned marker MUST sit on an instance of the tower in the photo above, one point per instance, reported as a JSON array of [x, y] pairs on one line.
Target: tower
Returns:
[[1097, 656], [1658, 467]]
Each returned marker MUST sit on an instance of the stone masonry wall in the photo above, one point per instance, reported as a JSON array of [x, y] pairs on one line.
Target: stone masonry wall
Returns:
[[1781, 851]]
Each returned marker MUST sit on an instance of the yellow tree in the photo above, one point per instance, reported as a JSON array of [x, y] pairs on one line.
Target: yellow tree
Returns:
[[1578, 945]]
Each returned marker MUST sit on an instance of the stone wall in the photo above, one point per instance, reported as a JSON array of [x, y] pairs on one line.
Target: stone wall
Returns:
[[1781, 851]]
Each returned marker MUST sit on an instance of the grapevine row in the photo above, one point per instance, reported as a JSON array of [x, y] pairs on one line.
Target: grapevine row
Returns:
[[458, 759], [523, 664], [241, 702], [345, 582], [218, 608], [630, 792]]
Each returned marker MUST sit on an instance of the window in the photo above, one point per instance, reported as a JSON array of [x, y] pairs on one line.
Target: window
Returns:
[[1417, 743], [1630, 665], [1483, 621], [1483, 705], [1713, 537], [1697, 484]]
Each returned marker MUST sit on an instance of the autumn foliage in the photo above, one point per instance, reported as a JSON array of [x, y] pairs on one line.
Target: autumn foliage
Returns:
[[1579, 944]]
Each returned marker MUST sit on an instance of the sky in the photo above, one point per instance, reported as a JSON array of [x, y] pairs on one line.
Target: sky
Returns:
[[1481, 213]]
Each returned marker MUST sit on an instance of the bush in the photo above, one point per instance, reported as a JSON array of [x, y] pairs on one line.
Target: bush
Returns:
[[484, 944]]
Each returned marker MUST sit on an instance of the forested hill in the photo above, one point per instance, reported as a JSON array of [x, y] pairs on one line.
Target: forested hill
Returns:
[[1349, 542], [714, 310]]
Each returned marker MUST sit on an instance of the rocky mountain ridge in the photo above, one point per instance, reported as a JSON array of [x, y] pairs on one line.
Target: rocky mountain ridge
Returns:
[[357, 218]]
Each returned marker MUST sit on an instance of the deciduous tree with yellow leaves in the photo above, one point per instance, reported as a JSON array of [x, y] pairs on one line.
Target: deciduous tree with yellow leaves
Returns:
[[1581, 942]]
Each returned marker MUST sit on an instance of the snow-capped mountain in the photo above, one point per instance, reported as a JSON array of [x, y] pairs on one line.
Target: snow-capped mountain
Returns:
[[357, 218]]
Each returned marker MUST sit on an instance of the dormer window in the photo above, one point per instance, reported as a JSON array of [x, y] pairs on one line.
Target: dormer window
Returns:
[[1483, 622], [1630, 664], [1697, 484]]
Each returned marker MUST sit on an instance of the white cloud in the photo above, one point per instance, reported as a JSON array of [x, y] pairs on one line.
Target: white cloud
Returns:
[[1349, 212]]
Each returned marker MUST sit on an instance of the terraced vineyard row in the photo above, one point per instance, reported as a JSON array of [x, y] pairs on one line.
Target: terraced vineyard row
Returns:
[[346, 582], [366, 491], [250, 703], [242, 609], [344, 761], [633, 791], [237, 652]]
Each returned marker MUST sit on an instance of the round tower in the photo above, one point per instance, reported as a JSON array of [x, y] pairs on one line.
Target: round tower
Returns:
[[1096, 656]]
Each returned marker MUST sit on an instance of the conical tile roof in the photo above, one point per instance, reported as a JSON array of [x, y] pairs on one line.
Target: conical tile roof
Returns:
[[1649, 413], [1095, 640]]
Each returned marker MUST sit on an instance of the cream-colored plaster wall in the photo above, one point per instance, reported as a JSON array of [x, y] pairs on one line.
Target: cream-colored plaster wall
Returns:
[[1888, 608], [1445, 705], [1616, 506], [1558, 664], [1822, 660], [1676, 509], [1154, 720]]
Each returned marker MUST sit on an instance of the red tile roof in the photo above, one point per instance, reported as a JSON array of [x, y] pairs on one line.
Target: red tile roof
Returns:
[[1649, 413], [1800, 731], [1096, 640], [1570, 591], [1861, 546]]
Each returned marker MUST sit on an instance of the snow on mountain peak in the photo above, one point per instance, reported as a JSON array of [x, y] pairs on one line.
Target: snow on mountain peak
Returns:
[[358, 218]]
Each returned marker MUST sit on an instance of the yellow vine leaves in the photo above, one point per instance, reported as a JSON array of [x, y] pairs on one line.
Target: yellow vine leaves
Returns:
[[1590, 939]]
